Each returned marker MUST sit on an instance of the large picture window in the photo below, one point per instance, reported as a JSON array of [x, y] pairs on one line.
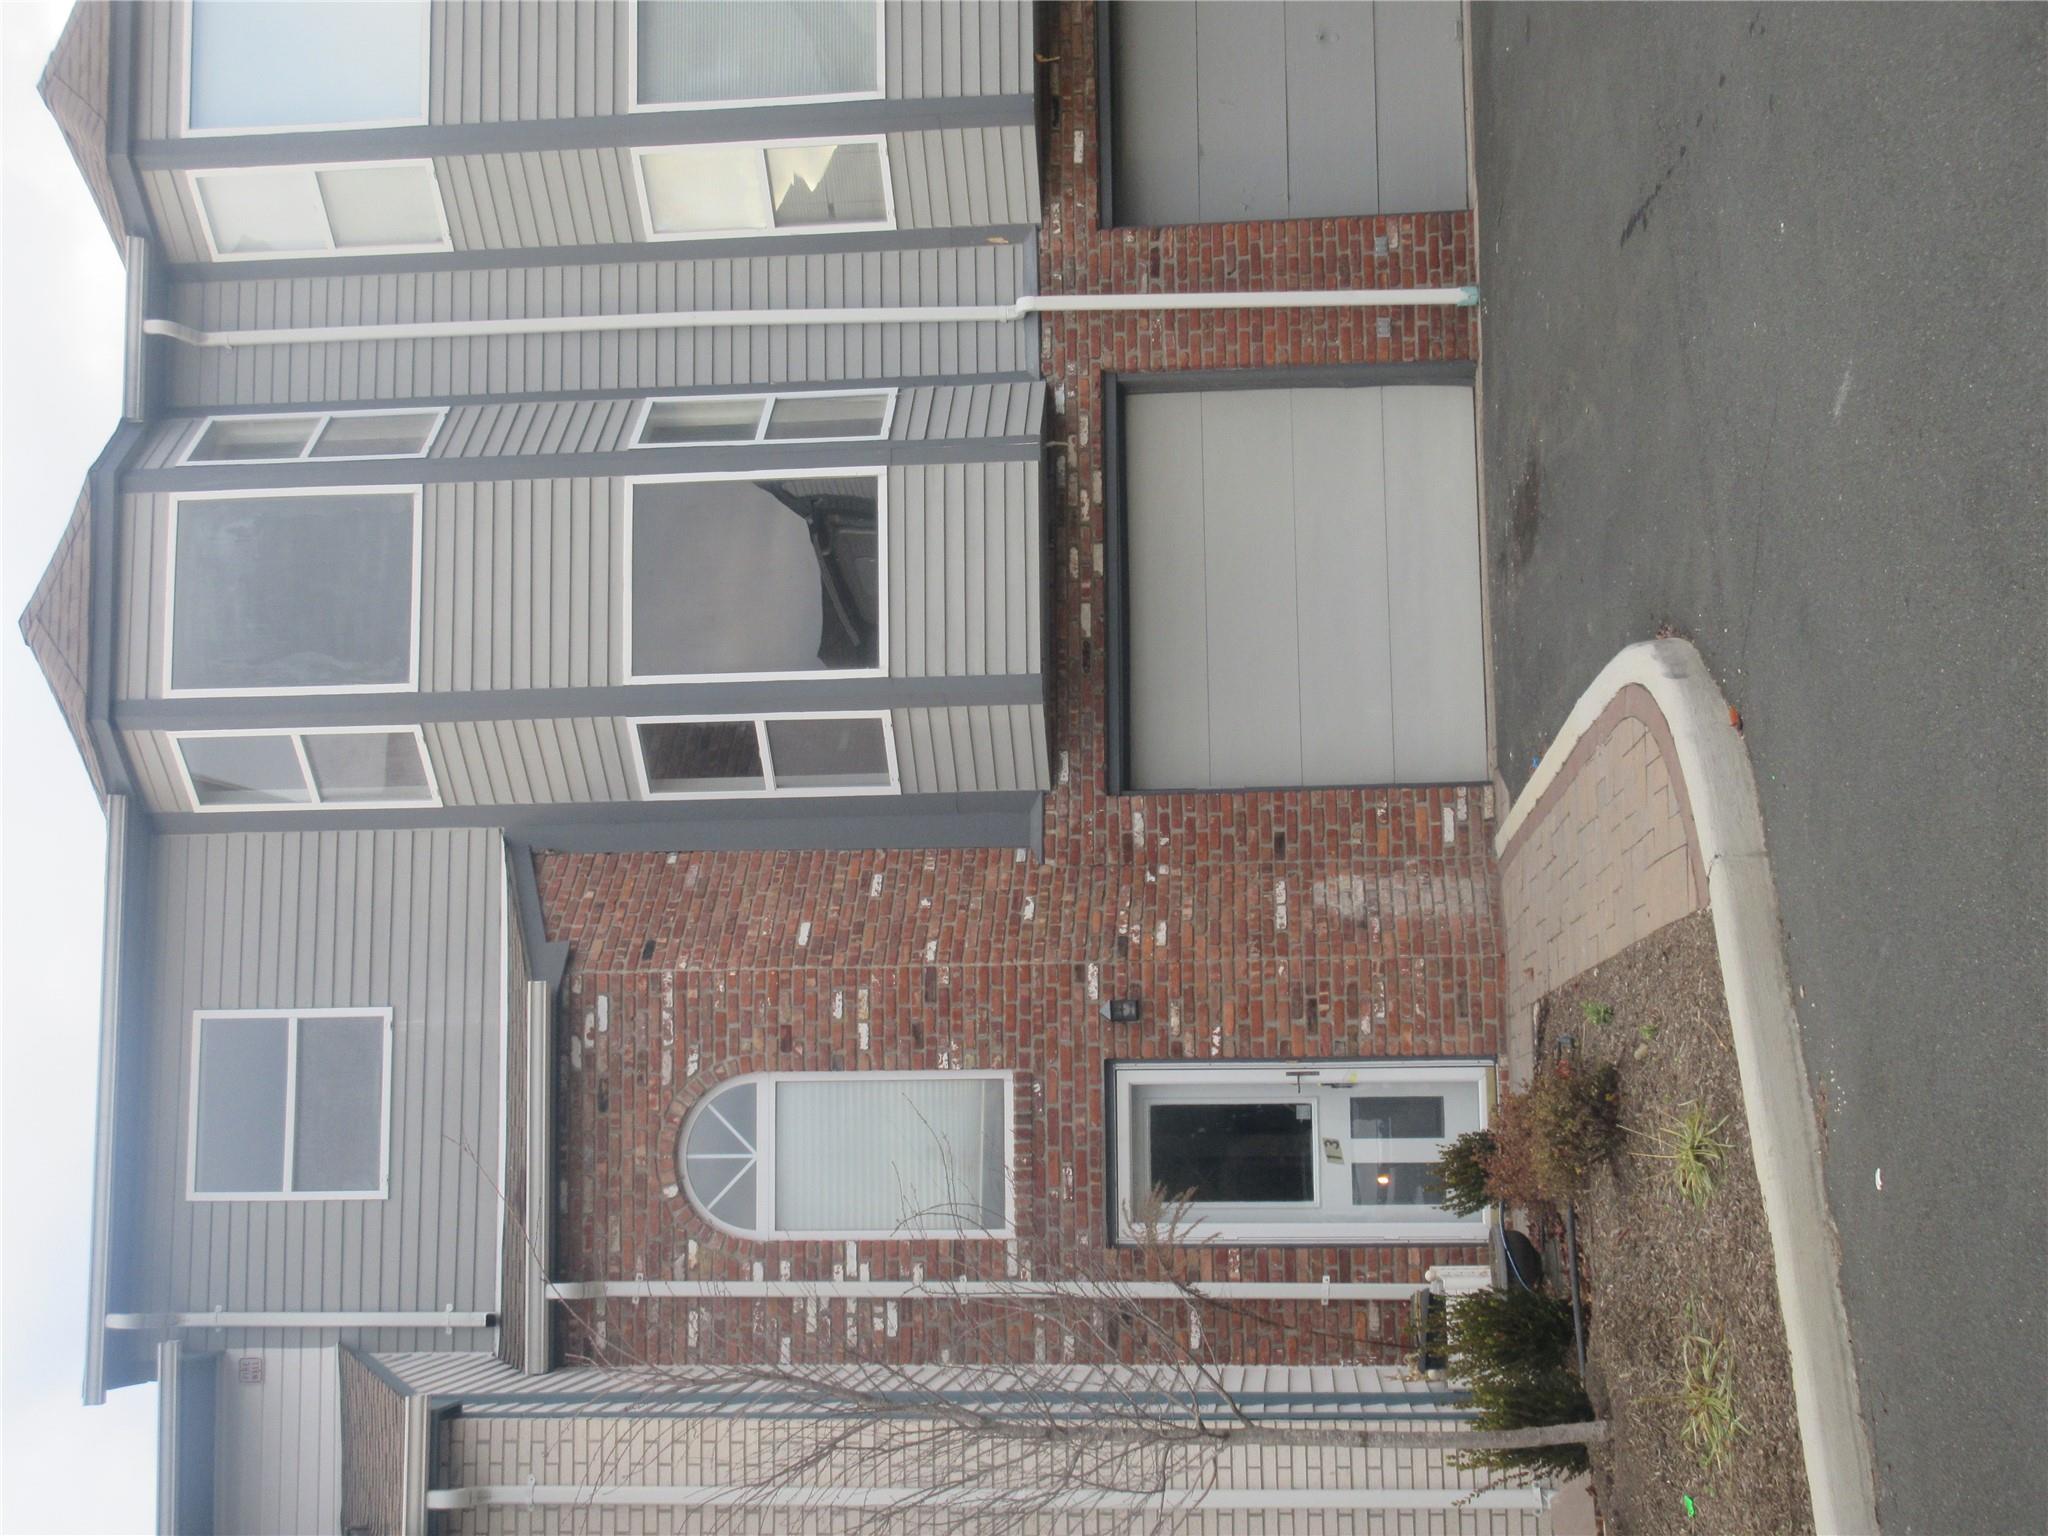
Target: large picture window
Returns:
[[854, 1154], [260, 65], [690, 54], [279, 592], [716, 191], [371, 208], [1295, 1151], [742, 577], [292, 1105]]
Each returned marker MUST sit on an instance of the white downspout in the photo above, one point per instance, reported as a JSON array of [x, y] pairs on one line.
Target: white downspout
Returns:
[[1106, 1291], [1172, 1500], [1464, 297], [161, 1321]]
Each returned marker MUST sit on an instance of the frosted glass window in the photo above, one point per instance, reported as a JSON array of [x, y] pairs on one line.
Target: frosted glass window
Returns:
[[705, 187], [291, 1105], [716, 419], [796, 417], [232, 439], [259, 64], [263, 212], [382, 206], [378, 435], [698, 190], [701, 757], [853, 1154], [814, 184], [691, 53], [828, 754], [292, 592]]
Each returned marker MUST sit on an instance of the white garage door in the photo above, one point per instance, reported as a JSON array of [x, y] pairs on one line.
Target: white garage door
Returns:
[[1303, 579]]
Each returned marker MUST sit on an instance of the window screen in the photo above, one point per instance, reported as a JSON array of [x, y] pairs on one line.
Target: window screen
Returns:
[[252, 213], [377, 435], [828, 754], [306, 63], [692, 53], [382, 206], [795, 417], [289, 1105], [367, 767], [1408, 1115], [244, 770], [306, 211], [813, 184], [1233, 1153], [727, 189], [701, 756], [230, 439], [716, 419], [745, 576], [293, 592]]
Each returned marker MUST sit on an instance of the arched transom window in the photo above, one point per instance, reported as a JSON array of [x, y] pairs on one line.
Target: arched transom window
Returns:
[[854, 1154]]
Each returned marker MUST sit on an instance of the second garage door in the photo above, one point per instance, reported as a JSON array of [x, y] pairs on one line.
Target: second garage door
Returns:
[[1303, 583]]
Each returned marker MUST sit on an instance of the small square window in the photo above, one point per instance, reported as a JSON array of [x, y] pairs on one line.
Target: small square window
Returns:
[[702, 757], [705, 188], [797, 417], [368, 767], [383, 207], [1409, 1116], [240, 771], [710, 419], [263, 213], [289, 1105], [735, 189], [828, 754]]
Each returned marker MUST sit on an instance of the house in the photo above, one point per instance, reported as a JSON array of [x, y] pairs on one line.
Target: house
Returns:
[[707, 770]]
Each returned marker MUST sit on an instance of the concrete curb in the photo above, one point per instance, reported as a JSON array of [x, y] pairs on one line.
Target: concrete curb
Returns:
[[1782, 1131]]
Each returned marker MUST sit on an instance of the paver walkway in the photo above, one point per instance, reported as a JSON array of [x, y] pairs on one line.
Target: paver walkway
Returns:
[[1606, 857]]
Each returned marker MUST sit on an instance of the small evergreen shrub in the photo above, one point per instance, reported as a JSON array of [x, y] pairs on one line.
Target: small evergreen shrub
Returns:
[[1461, 1173], [1513, 1348]]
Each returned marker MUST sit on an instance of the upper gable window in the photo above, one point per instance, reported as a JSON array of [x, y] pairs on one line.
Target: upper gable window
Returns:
[[371, 208], [293, 592], [303, 65], [336, 435], [691, 54], [717, 191]]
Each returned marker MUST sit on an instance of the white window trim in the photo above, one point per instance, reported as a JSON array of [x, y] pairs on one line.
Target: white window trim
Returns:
[[291, 1016], [170, 631], [320, 420], [635, 104], [772, 230], [315, 801], [624, 594], [768, 401], [330, 250], [1223, 1076], [764, 1157], [761, 724], [186, 130]]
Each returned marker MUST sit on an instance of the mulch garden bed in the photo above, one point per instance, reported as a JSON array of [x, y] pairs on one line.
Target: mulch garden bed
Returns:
[[1657, 1272]]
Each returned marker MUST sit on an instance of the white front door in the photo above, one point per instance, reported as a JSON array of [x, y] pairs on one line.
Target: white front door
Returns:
[[1339, 1151]]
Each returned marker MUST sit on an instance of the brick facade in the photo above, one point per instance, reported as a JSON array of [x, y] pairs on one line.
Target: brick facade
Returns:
[[1294, 924]]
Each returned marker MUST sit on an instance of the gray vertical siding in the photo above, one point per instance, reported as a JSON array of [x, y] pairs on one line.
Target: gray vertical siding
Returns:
[[277, 1442], [965, 570], [971, 748], [378, 370], [533, 762], [405, 920], [520, 60]]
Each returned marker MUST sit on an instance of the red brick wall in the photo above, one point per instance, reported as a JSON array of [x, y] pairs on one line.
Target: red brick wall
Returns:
[[692, 968]]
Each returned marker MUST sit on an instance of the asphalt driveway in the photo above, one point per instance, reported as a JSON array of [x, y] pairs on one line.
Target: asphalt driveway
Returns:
[[1765, 330]]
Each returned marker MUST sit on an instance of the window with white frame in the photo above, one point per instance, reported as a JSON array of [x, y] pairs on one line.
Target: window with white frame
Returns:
[[370, 208], [792, 756], [278, 770], [1294, 1151], [286, 592], [314, 435], [854, 1154], [290, 1105], [690, 54], [303, 65], [712, 191], [815, 416], [737, 576]]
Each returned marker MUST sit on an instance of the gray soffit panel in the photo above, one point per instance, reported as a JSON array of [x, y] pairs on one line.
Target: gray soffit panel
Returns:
[[810, 120], [794, 696], [1002, 819], [546, 466], [823, 244]]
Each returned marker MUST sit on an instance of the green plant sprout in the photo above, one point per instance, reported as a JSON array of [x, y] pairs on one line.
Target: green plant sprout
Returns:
[[1694, 1149], [1598, 1015]]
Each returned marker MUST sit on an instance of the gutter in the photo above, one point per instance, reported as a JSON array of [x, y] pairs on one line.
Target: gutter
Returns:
[[1465, 297], [160, 1322]]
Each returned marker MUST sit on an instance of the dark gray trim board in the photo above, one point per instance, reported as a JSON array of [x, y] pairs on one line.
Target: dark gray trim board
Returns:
[[767, 458], [572, 396], [621, 701], [1116, 617], [121, 166], [545, 960], [1105, 113], [825, 244], [998, 819], [623, 130], [103, 522]]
